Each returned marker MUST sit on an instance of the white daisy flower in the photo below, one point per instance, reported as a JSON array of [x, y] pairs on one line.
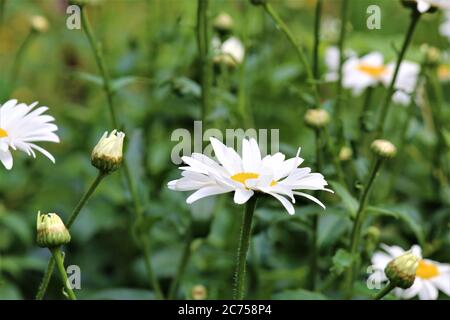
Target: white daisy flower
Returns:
[[406, 82], [431, 276], [232, 47], [444, 29], [20, 127], [246, 175], [362, 73]]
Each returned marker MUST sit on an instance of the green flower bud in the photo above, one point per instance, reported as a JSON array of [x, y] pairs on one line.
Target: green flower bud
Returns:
[[317, 118], [401, 271], [107, 155], [39, 24], [51, 231], [384, 148], [223, 23], [345, 154], [199, 292]]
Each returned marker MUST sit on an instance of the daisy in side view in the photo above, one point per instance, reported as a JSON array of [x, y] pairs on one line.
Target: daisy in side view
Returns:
[[431, 276], [244, 175], [20, 126]]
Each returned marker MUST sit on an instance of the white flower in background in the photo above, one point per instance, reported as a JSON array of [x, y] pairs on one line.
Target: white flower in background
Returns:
[[444, 29], [332, 62], [362, 73], [20, 127], [431, 276], [246, 175], [232, 48], [406, 82], [425, 5]]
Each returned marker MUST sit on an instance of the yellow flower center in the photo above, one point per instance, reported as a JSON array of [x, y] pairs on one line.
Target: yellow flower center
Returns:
[[3, 133], [242, 177], [372, 71], [443, 72], [426, 270]]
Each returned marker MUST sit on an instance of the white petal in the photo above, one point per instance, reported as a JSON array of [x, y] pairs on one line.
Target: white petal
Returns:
[[310, 197], [428, 291], [241, 196], [206, 192], [285, 202], [7, 159]]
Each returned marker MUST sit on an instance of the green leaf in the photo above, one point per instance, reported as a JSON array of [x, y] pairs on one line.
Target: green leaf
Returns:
[[299, 294], [349, 201], [18, 226], [341, 261], [116, 84], [409, 220]]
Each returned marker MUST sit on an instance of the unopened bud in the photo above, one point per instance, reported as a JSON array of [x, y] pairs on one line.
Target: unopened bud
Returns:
[[401, 271], [223, 23], [199, 292], [345, 153], [51, 231], [317, 118], [39, 24], [384, 148], [107, 155]]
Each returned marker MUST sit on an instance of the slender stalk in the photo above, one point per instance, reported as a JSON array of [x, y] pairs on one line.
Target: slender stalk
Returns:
[[357, 226], [415, 16], [335, 158], [73, 216], [203, 49], [181, 266], [56, 252], [388, 288], [342, 36], [315, 219], [244, 243], [148, 266], [2, 11], [99, 59], [95, 46], [84, 199], [46, 279], [15, 69], [287, 32], [317, 21]]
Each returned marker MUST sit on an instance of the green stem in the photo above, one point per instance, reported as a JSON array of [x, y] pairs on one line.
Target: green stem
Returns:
[[181, 266], [244, 243], [287, 32], [389, 287], [84, 199], [56, 252], [148, 266], [2, 12], [315, 219], [335, 158], [73, 216], [99, 59], [357, 226], [203, 46], [46, 279], [342, 36], [96, 48], [317, 21], [15, 69], [415, 16]]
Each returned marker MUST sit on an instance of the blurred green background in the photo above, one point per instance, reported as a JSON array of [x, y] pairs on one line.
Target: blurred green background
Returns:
[[151, 52]]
